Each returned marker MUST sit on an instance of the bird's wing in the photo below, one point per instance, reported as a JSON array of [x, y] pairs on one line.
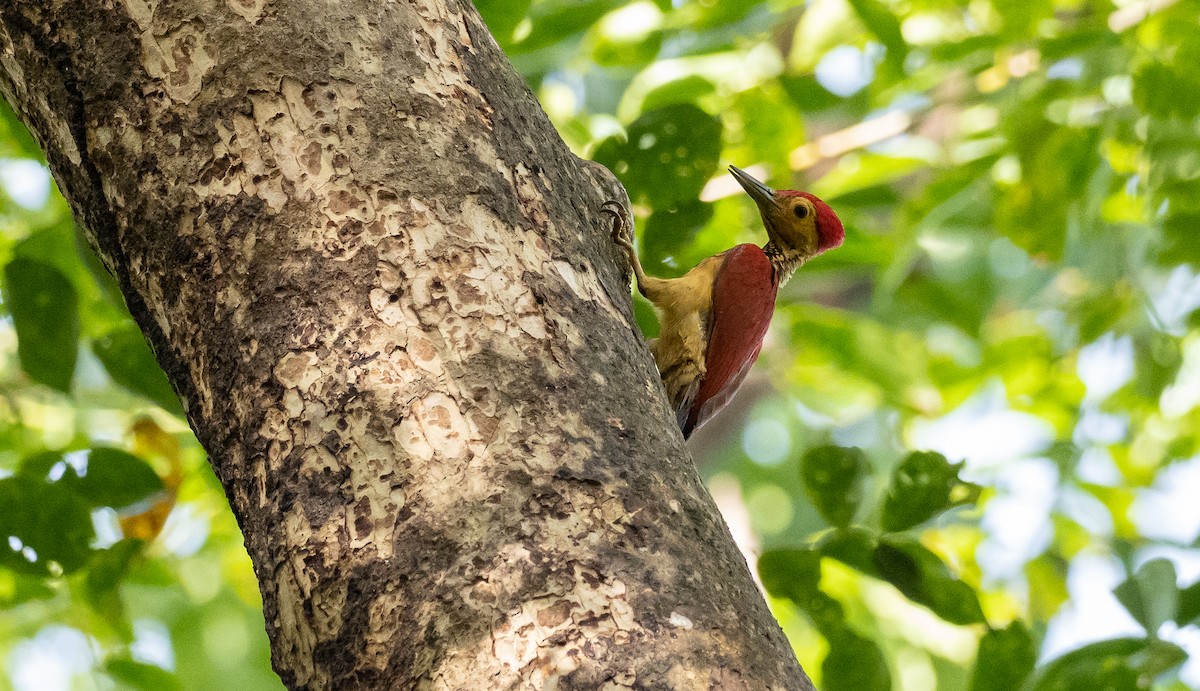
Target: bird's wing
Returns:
[[743, 300]]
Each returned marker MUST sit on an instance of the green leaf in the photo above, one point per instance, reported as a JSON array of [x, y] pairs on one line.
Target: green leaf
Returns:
[[553, 22], [670, 232], [502, 16], [826, 614], [854, 663], [94, 266], [1020, 17], [1151, 594], [1189, 604], [104, 574], [627, 53], [1116, 665], [131, 363], [45, 315], [1006, 658], [791, 573], [115, 478], [38, 465], [923, 485], [723, 14], [109, 567], [1157, 359], [1181, 239], [690, 89], [46, 524], [922, 577], [854, 547], [112, 478], [1159, 657], [669, 155], [973, 49], [881, 22], [61, 246], [766, 133], [796, 575], [807, 94], [834, 476], [15, 139], [130, 674], [1167, 90], [16, 589]]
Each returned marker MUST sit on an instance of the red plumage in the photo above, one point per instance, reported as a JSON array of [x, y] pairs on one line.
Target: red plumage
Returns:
[[715, 317], [743, 300]]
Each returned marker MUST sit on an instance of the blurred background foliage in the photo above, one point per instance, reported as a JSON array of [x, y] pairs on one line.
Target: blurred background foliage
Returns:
[[969, 455]]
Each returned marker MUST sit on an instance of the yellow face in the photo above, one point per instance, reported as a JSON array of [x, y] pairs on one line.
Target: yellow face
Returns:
[[791, 222]]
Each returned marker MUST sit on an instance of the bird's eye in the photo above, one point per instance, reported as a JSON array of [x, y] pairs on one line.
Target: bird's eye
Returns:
[[801, 211]]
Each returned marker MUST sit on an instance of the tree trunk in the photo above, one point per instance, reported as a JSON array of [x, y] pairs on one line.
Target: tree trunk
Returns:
[[381, 285]]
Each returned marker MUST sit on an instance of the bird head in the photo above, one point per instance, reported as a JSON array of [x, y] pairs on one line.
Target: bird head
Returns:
[[798, 223]]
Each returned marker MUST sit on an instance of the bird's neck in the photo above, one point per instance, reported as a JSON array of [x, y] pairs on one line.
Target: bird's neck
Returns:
[[784, 262]]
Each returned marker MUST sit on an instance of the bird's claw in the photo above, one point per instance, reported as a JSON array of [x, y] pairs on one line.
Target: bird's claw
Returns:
[[621, 224]]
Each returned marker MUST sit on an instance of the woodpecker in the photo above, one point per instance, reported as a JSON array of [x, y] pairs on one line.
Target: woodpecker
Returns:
[[713, 319]]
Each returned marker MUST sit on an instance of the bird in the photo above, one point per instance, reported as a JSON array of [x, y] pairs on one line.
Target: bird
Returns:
[[712, 320]]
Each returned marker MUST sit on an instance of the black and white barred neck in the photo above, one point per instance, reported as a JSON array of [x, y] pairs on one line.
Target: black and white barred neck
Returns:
[[785, 263]]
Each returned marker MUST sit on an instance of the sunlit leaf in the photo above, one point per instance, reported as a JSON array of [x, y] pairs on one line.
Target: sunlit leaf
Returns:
[[922, 577], [767, 134], [15, 139], [1182, 241], [1157, 359], [627, 53]]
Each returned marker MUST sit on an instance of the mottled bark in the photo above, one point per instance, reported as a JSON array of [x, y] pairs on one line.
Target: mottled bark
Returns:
[[382, 286]]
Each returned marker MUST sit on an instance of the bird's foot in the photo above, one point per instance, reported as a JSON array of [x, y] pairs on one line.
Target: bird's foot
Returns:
[[622, 226]]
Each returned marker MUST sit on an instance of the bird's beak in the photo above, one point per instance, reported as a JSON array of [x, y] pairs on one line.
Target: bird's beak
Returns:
[[761, 194]]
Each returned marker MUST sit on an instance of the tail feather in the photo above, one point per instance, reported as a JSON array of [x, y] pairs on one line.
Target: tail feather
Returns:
[[685, 408]]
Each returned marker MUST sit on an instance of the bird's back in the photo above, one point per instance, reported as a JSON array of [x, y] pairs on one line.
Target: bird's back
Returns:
[[743, 299]]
